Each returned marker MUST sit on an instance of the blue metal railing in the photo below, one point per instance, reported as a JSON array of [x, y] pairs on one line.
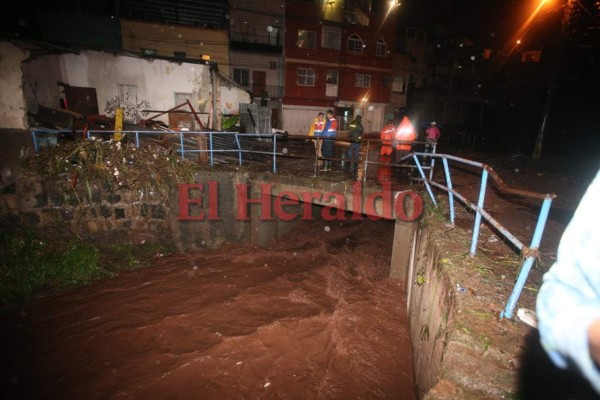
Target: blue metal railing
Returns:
[[206, 146], [529, 253]]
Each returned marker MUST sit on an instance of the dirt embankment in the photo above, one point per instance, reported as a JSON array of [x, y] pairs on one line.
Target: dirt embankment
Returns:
[[311, 317]]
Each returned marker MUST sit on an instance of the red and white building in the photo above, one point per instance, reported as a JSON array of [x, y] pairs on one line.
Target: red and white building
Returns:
[[338, 54]]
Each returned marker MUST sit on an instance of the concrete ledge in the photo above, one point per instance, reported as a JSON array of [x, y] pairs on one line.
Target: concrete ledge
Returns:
[[461, 349]]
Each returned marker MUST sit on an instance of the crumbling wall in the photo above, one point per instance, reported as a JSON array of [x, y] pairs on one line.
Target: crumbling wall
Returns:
[[12, 103]]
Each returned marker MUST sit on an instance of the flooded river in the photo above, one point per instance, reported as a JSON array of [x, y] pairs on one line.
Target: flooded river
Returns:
[[313, 316]]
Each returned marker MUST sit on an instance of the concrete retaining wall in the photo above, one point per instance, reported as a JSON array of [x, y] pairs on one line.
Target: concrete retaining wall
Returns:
[[430, 301]]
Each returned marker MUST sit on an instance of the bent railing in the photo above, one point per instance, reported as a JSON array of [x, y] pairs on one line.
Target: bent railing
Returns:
[[529, 253]]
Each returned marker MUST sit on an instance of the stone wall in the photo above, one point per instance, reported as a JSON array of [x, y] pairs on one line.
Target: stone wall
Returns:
[[65, 207], [57, 208]]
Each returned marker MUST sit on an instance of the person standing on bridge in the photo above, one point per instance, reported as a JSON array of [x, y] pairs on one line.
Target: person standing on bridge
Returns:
[[384, 173], [329, 134], [316, 131], [353, 154], [432, 134]]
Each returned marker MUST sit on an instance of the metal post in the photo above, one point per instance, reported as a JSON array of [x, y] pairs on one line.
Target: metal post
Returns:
[[34, 137], [450, 194], [137, 140], [274, 153], [432, 164], [427, 185], [181, 149], [316, 166], [484, 176], [237, 140], [528, 263], [210, 146], [366, 162]]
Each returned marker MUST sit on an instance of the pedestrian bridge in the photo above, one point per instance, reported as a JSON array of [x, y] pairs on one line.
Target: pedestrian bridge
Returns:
[[286, 180]]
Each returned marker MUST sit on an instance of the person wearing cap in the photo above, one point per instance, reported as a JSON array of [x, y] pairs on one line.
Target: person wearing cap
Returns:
[[432, 134], [353, 153]]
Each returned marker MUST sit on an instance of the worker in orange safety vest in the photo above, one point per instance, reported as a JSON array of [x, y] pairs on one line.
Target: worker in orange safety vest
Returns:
[[384, 173]]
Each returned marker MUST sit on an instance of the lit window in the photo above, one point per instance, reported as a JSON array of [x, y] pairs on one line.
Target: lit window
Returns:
[[331, 37], [355, 44], [305, 77], [307, 39], [363, 80], [381, 48]]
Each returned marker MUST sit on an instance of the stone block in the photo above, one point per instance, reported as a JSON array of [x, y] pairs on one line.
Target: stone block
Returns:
[[11, 202], [27, 203], [157, 211], [30, 218], [93, 227], [113, 198]]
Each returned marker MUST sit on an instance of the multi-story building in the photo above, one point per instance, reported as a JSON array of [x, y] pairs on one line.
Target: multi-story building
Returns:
[[338, 55], [256, 51], [186, 30]]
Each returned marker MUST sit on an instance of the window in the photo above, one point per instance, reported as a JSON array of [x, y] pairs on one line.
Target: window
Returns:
[[307, 39], [398, 85], [241, 76], [332, 77], [272, 65], [355, 44], [305, 77], [363, 80], [381, 48], [331, 37]]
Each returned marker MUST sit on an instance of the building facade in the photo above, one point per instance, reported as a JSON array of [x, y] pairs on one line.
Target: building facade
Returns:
[[338, 55], [256, 51]]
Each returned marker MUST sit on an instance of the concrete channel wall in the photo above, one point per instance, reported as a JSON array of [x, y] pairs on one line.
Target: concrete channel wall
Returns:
[[39, 204], [430, 302]]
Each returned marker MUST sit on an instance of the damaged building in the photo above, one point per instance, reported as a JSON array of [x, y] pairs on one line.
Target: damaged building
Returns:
[[91, 82]]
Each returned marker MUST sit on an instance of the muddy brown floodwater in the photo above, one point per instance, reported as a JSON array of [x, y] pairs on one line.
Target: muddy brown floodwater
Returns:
[[313, 316]]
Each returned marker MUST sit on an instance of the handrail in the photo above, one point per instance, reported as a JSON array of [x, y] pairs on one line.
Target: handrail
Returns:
[[530, 253]]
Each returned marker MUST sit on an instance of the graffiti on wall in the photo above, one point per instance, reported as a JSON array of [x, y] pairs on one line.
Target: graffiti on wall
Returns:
[[127, 99]]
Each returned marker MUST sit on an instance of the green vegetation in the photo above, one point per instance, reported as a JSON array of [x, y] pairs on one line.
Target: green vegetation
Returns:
[[31, 266]]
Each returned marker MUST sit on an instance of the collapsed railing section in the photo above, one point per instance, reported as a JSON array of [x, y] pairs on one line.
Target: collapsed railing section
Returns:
[[529, 253]]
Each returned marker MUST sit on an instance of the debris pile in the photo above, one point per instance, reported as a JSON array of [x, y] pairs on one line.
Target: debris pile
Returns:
[[114, 165]]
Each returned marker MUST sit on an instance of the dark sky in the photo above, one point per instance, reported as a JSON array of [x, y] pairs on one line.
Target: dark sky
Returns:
[[486, 22]]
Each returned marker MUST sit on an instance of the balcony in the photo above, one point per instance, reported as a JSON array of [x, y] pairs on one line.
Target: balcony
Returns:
[[252, 42], [265, 91]]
